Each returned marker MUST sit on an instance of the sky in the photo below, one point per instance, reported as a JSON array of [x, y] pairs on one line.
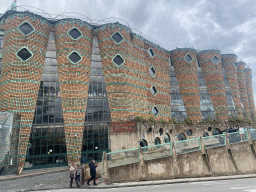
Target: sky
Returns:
[[229, 25]]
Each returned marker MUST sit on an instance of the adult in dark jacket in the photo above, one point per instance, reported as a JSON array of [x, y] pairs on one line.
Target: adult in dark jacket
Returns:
[[92, 173]]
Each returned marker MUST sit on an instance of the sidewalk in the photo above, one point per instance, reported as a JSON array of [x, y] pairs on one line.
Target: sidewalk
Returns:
[[34, 172], [169, 181], [64, 180]]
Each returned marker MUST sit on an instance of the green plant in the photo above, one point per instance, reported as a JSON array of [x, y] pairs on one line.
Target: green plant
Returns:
[[209, 121], [161, 121], [188, 121], [235, 119], [248, 121], [231, 119], [123, 148], [151, 119], [173, 120], [138, 118]]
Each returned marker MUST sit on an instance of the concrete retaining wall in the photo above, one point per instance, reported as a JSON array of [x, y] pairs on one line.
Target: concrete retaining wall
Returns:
[[220, 161], [244, 157], [230, 159], [157, 168], [191, 164]]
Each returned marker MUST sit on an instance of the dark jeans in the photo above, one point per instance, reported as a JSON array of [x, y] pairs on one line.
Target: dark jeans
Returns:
[[78, 177], [71, 181], [93, 177]]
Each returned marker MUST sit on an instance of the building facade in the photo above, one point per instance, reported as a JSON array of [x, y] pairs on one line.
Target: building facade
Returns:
[[69, 79]]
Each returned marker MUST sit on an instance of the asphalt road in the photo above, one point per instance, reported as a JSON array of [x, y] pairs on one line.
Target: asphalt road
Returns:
[[243, 185]]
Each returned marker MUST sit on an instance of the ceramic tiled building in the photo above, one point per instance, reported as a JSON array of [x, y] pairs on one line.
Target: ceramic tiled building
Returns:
[[68, 79]]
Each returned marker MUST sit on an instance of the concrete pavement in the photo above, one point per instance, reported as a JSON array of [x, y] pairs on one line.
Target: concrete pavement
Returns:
[[37, 179], [232, 185], [57, 178], [170, 181], [34, 172]]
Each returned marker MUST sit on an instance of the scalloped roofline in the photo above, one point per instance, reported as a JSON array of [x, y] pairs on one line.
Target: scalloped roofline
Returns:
[[94, 26]]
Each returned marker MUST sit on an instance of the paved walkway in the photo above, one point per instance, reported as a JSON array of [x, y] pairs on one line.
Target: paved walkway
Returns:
[[170, 181], [37, 179], [234, 185], [34, 172], [58, 178]]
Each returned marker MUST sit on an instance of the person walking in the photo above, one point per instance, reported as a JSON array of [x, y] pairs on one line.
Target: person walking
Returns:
[[72, 172], [241, 131], [92, 173], [78, 173]]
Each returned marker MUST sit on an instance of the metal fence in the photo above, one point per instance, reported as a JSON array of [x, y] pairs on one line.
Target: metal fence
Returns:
[[123, 157], [238, 137], [214, 141], [130, 156], [252, 133], [187, 146], [157, 151]]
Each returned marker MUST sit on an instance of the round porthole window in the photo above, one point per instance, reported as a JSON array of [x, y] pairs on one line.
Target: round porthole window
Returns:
[[181, 137], [143, 143], [189, 132], [170, 131], [167, 138], [209, 129], [216, 131], [157, 141]]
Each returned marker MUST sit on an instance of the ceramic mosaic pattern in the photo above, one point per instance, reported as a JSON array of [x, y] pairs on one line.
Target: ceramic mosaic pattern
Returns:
[[213, 76], [21, 79], [248, 79], [243, 90], [128, 86], [228, 62], [74, 81], [188, 81]]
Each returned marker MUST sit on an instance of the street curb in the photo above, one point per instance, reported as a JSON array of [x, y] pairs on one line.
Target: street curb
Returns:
[[139, 183], [148, 183], [173, 181]]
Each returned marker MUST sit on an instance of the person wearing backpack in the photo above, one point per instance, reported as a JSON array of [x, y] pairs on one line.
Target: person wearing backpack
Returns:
[[92, 173], [72, 172]]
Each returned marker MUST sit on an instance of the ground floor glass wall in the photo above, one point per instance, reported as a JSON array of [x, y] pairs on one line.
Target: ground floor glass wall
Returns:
[[206, 106], [178, 110], [231, 106], [47, 147], [95, 141], [97, 117]]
